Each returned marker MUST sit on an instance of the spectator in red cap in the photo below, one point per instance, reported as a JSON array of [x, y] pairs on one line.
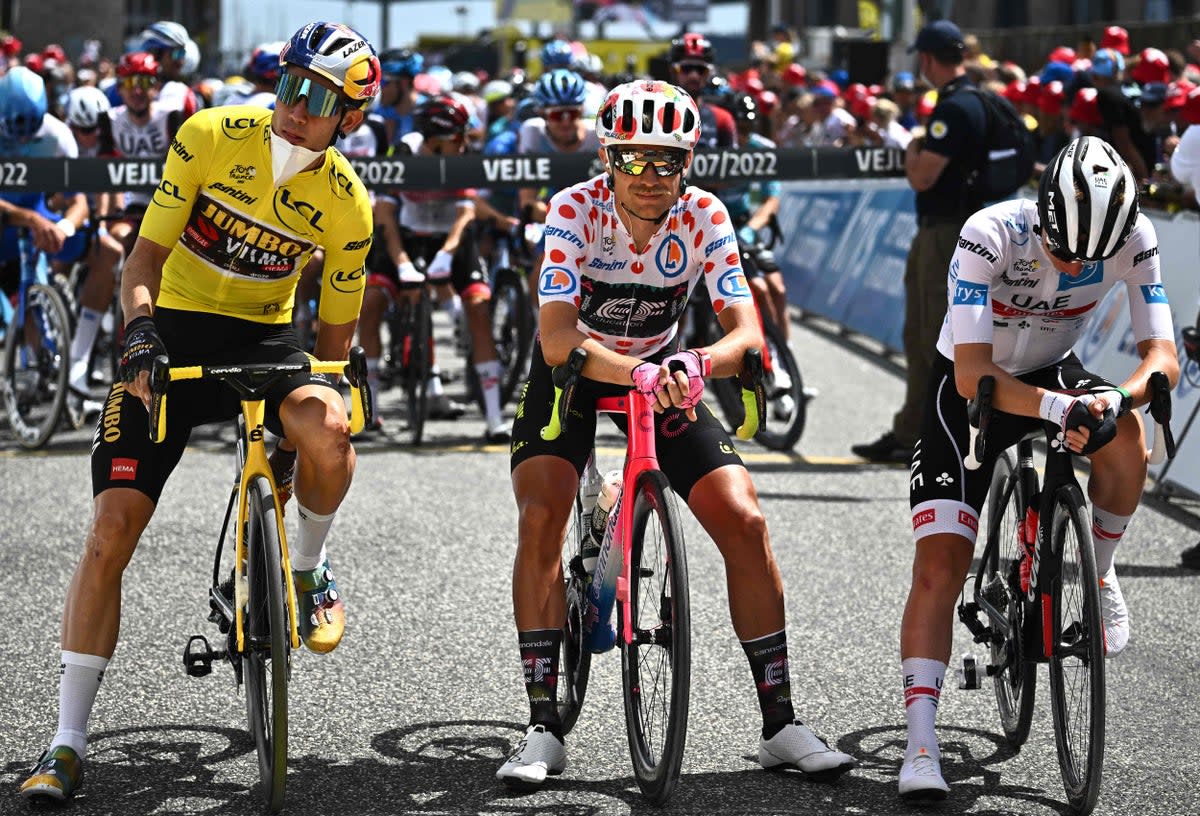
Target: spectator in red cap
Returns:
[[794, 75], [1052, 133], [1063, 53], [1116, 38], [1152, 66], [1085, 113]]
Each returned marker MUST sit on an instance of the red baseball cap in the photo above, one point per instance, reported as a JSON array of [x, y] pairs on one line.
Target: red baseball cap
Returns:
[[1051, 97], [1152, 66], [1062, 54], [1015, 91], [1116, 38], [795, 74], [1086, 107], [1191, 107], [861, 106]]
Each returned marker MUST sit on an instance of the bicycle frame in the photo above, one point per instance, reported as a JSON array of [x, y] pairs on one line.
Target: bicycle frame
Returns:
[[34, 269], [610, 583], [255, 464]]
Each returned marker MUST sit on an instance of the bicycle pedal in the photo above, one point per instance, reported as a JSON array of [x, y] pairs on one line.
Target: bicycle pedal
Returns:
[[968, 673], [197, 662]]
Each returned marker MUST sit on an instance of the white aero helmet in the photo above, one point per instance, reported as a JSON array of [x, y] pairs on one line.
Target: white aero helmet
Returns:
[[465, 82], [1087, 201], [648, 112], [496, 90], [85, 106]]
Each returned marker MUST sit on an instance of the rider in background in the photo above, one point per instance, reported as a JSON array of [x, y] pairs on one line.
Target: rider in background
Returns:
[[692, 68], [261, 74], [398, 98], [436, 226], [1022, 283], [174, 50], [623, 252], [556, 53]]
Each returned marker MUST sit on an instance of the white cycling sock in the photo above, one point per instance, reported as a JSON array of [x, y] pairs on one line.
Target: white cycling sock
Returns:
[[922, 689], [453, 307], [79, 680], [307, 550], [489, 381], [435, 382], [81, 346], [1107, 531]]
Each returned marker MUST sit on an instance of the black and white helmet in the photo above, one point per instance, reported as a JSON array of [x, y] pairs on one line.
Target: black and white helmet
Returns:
[[85, 106], [1087, 201]]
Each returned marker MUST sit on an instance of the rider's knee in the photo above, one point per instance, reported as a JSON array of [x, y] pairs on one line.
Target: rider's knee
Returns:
[[935, 569], [111, 540], [541, 520]]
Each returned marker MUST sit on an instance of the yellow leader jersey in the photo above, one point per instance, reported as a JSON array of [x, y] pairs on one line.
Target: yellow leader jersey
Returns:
[[238, 243]]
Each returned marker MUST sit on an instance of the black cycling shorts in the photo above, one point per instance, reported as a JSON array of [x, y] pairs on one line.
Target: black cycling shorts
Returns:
[[687, 451], [943, 495], [123, 455]]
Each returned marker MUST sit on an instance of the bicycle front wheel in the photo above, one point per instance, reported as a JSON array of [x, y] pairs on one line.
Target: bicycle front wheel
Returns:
[[1015, 679], [512, 329], [785, 393], [575, 661], [656, 665], [418, 363], [1077, 664], [266, 660], [36, 366]]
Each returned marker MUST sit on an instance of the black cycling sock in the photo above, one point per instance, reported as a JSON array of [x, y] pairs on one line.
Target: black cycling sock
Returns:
[[769, 665], [539, 658]]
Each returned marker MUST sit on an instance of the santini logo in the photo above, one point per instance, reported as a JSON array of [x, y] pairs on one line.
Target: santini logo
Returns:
[[978, 249]]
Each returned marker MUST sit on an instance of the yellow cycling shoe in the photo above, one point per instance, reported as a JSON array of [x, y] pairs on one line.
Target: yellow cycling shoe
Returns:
[[321, 613], [55, 778]]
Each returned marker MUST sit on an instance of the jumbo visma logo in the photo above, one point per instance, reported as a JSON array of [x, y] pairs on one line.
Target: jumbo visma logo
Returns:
[[671, 257], [557, 280]]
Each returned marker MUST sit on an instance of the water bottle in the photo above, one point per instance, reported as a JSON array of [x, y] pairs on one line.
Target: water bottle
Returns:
[[589, 491], [609, 489]]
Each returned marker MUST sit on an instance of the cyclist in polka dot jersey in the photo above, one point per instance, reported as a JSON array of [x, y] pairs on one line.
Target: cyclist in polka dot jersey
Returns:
[[623, 253]]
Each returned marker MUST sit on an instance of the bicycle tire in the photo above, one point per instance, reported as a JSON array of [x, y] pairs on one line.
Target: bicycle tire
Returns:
[[35, 404], [266, 660], [575, 661], [1077, 629], [418, 365], [512, 330], [780, 434], [662, 624], [1016, 684]]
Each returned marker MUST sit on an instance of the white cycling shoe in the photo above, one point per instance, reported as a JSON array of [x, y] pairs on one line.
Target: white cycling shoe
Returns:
[[921, 778], [539, 754], [796, 746], [1115, 613]]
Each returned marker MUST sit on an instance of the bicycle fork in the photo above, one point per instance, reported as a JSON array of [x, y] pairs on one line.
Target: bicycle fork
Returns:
[[600, 635]]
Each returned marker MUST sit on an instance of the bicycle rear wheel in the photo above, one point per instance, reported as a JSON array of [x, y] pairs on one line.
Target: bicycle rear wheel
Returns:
[[36, 366], [785, 394], [1016, 681], [656, 666], [575, 661], [1077, 665], [266, 660]]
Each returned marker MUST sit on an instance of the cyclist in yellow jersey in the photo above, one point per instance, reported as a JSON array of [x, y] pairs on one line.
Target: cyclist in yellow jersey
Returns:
[[246, 196]]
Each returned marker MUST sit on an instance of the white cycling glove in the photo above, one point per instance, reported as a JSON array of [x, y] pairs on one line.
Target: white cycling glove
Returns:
[[408, 273], [439, 267]]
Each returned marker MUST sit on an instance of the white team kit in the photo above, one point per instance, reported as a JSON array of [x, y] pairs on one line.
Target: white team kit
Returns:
[[149, 140], [1005, 291], [630, 301]]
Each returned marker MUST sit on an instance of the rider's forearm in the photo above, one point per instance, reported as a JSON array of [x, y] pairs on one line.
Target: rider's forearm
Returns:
[[974, 360], [465, 216], [385, 217], [1157, 355], [728, 353], [141, 278], [15, 216], [333, 340], [762, 216], [77, 210]]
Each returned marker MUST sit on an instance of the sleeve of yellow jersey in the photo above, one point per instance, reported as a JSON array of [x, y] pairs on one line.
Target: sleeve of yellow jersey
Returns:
[[345, 273], [182, 177]]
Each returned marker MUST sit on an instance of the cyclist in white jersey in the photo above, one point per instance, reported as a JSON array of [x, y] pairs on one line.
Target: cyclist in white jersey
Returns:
[[1022, 284], [623, 252]]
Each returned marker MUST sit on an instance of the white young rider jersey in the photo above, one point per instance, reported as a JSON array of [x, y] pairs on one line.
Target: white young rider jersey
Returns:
[[149, 140], [176, 95], [429, 211], [1004, 290], [630, 301]]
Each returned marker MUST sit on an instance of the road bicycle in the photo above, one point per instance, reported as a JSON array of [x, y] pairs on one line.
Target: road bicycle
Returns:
[[1036, 595], [641, 569], [408, 348], [255, 607], [37, 343]]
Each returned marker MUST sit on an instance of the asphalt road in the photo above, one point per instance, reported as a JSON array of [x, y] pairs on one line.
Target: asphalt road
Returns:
[[416, 709]]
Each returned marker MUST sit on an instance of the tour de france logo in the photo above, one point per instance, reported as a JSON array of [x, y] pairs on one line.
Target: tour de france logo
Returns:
[[670, 257]]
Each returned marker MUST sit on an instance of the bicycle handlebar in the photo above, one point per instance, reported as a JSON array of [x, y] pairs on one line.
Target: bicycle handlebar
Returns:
[[353, 369], [566, 379], [1160, 410], [979, 417]]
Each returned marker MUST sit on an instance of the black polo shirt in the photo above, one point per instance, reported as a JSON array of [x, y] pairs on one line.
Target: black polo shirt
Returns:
[[956, 130]]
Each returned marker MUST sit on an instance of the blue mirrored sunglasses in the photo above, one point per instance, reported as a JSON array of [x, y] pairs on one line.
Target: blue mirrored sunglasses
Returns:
[[666, 162], [321, 100]]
